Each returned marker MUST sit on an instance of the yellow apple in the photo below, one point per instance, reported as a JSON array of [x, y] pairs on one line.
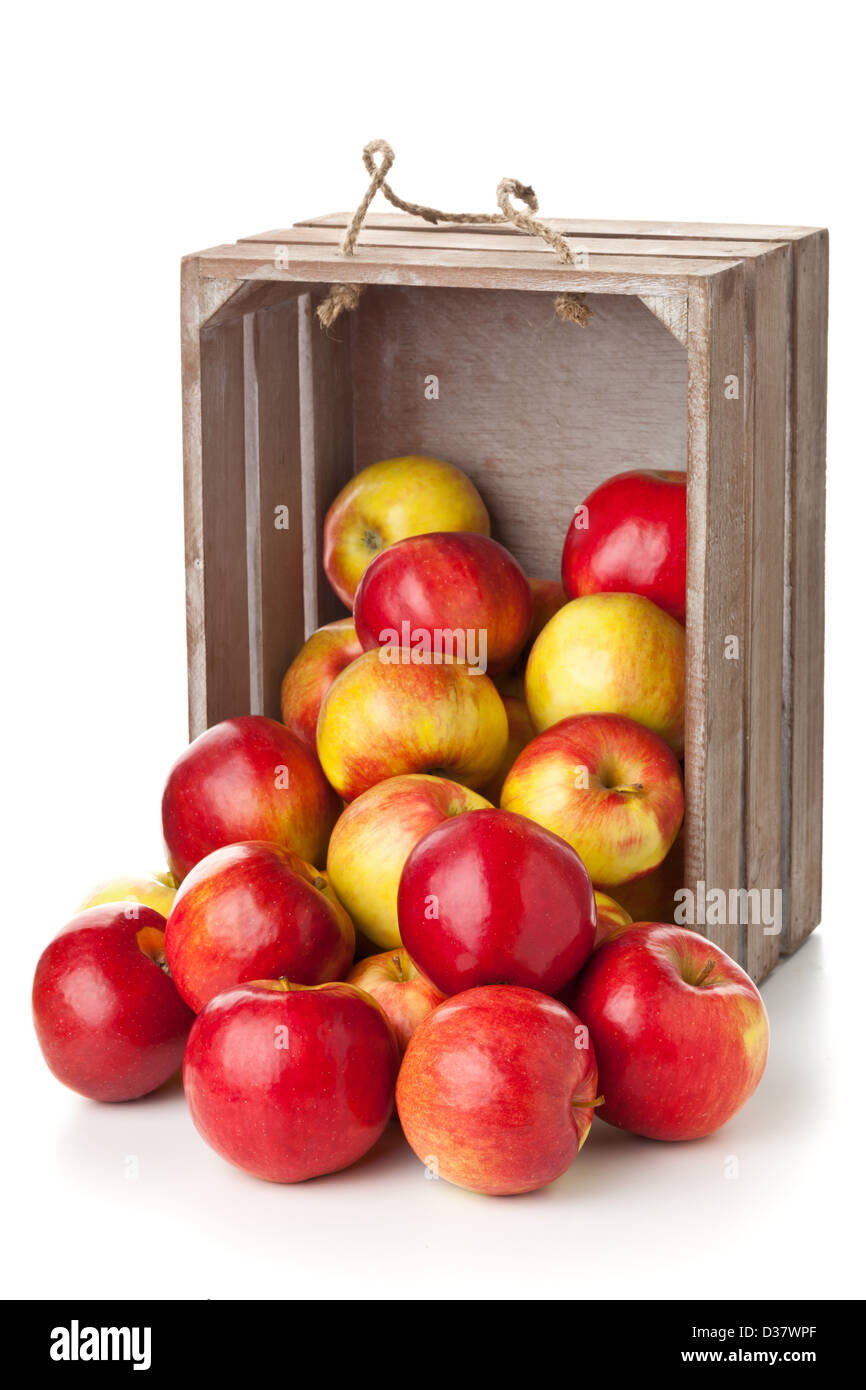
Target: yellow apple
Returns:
[[373, 839], [610, 654], [611, 919], [385, 715], [388, 501], [151, 890]]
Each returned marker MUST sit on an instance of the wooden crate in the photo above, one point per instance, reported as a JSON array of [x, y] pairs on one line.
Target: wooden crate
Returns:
[[707, 351]]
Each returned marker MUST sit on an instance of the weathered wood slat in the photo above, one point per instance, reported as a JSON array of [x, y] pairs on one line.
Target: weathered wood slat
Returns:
[[805, 673], [768, 281], [576, 226], [499, 240], [714, 849]]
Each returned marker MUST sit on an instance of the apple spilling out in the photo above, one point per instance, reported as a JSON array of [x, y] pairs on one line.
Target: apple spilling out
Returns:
[[486, 768]]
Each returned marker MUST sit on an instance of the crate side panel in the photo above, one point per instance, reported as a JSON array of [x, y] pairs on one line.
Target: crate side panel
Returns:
[[538, 412], [714, 848], [277, 540], [806, 565], [224, 549], [328, 444], [769, 290]]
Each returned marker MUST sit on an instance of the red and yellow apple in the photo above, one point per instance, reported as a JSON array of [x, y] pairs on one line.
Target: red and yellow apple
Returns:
[[610, 654], [110, 1023], [520, 733], [291, 1081], [608, 786], [385, 716], [548, 596], [388, 501], [255, 911], [630, 537], [494, 898], [151, 890], [321, 659], [651, 898], [461, 591], [399, 988], [372, 841], [679, 1030], [497, 1090], [246, 779], [611, 919]]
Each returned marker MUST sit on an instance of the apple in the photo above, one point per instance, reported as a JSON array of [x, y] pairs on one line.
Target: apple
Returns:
[[291, 1081], [385, 716], [493, 898], [399, 988], [497, 1090], [151, 890], [461, 590], [611, 919], [109, 1021], [246, 779], [630, 537], [372, 840], [608, 786], [388, 501], [680, 1032], [520, 733], [255, 911], [610, 654], [320, 660], [548, 596], [651, 898]]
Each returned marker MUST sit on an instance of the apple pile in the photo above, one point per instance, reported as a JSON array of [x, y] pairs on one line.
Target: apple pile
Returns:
[[442, 881]]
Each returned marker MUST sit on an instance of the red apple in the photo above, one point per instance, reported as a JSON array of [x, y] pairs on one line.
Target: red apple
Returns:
[[492, 898], [393, 981], [312, 673], [680, 1031], [497, 1090], [372, 840], [255, 911], [289, 1082], [463, 587], [246, 779], [630, 537], [608, 786], [388, 501], [110, 1023], [384, 718]]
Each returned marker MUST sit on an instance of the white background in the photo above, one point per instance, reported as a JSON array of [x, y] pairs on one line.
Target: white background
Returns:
[[133, 136]]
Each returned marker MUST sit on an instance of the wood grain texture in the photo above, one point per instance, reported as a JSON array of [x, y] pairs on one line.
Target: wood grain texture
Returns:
[[714, 849], [577, 226], [535, 412], [503, 239], [275, 553], [805, 673], [328, 445], [768, 312]]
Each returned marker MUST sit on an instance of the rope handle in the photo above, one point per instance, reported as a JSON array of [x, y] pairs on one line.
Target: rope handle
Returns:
[[347, 296]]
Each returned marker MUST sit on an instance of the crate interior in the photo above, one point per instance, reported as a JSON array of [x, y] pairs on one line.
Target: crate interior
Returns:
[[537, 411]]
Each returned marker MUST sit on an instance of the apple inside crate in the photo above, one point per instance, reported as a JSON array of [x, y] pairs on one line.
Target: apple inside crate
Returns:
[[706, 351]]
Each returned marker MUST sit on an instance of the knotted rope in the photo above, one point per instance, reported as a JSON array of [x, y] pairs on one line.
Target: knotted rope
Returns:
[[568, 306]]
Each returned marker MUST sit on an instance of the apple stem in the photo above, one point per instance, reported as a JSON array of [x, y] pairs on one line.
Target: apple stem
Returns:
[[588, 1104], [396, 959], [708, 969]]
